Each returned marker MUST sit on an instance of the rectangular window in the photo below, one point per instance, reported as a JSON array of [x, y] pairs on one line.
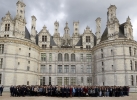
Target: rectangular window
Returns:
[[27, 82], [28, 68], [7, 27], [89, 80], [73, 81], [44, 38], [81, 57], [130, 51], [29, 54], [73, 69], [50, 69], [131, 64], [44, 46], [136, 80], [59, 68], [43, 56], [66, 69], [59, 80], [134, 51], [42, 69], [66, 80], [102, 69], [111, 52], [101, 50], [1, 62], [88, 69], [49, 80], [0, 78], [87, 38], [42, 80], [28, 62], [103, 83], [50, 57], [89, 57], [132, 80], [102, 63], [102, 56], [135, 65], [1, 48], [81, 79], [82, 70], [88, 46]]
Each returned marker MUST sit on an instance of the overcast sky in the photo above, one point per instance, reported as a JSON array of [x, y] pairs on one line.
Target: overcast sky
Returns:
[[84, 11]]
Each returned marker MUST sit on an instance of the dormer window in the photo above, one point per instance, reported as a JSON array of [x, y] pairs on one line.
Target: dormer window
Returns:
[[44, 38], [87, 38], [7, 27]]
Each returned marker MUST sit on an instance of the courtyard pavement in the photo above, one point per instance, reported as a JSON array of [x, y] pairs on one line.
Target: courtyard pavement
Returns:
[[6, 96]]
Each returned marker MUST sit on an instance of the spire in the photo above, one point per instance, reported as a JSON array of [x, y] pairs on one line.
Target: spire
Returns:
[[66, 26], [56, 23], [87, 27], [128, 20], [8, 13], [44, 27], [33, 17]]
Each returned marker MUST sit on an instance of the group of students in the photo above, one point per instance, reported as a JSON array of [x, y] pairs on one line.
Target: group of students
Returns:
[[69, 91]]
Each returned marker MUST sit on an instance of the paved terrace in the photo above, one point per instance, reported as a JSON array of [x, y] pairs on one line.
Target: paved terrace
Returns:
[[6, 96]]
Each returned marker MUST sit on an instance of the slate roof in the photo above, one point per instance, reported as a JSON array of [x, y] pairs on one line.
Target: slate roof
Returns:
[[27, 34], [121, 33], [79, 42], [52, 42]]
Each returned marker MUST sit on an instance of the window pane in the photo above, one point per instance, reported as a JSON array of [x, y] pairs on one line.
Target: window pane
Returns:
[[43, 56], [73, 69], [1, 48], [66, 69], [1, 62], [59, 68], [59, 57], [59, 80]]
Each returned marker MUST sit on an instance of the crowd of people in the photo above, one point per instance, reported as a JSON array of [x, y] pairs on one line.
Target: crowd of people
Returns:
[[69, 91]]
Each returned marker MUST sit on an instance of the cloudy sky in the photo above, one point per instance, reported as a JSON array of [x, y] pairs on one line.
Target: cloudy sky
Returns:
[[84, 11]]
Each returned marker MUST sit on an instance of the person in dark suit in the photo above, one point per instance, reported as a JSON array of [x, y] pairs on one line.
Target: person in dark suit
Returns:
[[78, 91], [11, 90], [65, 90], [81, 91], [62, 91], [0, 90]]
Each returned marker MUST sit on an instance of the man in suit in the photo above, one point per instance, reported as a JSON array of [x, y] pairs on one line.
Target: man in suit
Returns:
[[78, 91], [62, 91], [1, 90]]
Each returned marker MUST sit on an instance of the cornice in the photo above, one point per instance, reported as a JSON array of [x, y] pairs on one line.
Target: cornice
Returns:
[[114, 42], [25, 42]]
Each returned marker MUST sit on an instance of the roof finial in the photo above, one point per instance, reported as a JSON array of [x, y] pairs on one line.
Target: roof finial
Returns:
[[8, 13]]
